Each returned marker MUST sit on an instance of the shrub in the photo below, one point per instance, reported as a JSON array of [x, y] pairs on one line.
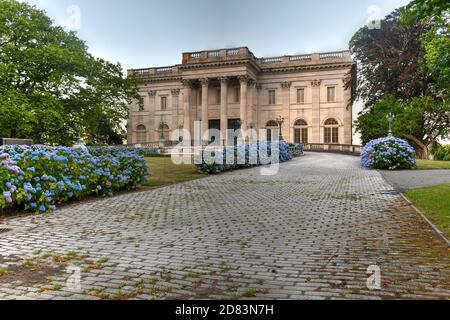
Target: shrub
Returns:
[[442, 153], [388, 153], [296, 149], [245, 156], [38, 178]]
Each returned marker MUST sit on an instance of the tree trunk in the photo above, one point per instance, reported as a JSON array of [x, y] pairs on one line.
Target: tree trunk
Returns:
[[421, 148]]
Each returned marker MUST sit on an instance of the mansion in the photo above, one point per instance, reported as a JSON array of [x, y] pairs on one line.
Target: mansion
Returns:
[[231, 88]]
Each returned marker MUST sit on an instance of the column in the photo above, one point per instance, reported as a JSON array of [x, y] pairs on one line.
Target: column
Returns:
[[152, 101], [243, 114], [316, 134], [175, 107], [205, 119], [286, 110], [258, 125], [187, 90], [252, 99], [348, 115], [224, 107]]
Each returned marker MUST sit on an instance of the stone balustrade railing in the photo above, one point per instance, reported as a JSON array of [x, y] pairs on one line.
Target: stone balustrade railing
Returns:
[[244, 53], [335, 148]]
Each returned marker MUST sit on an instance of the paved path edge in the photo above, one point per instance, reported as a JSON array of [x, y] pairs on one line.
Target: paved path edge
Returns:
[[424, 217], [435, 228]]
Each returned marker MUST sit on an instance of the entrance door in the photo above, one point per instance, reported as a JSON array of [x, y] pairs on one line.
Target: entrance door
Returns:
[[233, 124], [213, 124]]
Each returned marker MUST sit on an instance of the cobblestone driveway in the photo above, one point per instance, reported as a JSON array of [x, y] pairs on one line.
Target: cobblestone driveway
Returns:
[[310, 232]]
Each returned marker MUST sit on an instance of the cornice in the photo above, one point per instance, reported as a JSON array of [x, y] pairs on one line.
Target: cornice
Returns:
[[281, 69], [219, 64], [161, 79], [265, 70]]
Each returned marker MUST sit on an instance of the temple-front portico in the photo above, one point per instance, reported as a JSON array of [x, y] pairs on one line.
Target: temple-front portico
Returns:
[[231, 88]]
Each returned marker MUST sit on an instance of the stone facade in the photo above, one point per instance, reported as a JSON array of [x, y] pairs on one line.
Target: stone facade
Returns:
[[231, 87]]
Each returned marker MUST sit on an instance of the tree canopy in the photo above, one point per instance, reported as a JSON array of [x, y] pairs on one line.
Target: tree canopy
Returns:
[[389, 61], [422, 10], [51, 86], [404, 69]]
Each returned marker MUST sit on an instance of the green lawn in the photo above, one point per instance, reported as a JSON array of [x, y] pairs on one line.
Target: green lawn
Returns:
[[165, 172], [435, 203], [428, 164]]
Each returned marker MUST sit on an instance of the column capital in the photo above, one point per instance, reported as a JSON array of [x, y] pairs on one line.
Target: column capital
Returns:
[[258, 86], [175, 92], [224, 80], [316, 83], [286, 84], [187, 83], [244, 79], [204, 81], [152, 93]]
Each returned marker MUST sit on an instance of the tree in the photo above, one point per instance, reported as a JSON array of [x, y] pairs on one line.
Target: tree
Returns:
[[422, 10], [389, 61], [436, 41], [404, 69], [50, 85], [421, 120]]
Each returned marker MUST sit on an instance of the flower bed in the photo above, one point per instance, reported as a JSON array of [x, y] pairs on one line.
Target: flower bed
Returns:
[[388, 153], [38, 178], [246, 156]]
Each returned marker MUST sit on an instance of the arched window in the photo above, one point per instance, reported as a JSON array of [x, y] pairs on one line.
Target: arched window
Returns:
[[141, 134], [331, 131], [164, 132], [301, 131], [331, 122], [272, 130], [301, 123]]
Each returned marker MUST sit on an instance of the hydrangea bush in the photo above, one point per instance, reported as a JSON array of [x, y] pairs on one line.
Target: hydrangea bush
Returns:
[[37, 178], [246, 156], [388, 153], [296, 149]]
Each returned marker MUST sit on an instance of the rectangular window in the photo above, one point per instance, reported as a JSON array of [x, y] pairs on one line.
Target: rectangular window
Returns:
[[163, 103], [331, 94], [272, 99], [301, 95]]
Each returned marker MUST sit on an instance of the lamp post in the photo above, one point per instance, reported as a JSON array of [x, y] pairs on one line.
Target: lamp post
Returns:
[[78, 135], [79, 144], [390, 118], [280, 121]]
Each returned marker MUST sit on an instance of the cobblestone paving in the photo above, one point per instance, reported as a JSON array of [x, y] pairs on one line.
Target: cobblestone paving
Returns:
[[310, 232]]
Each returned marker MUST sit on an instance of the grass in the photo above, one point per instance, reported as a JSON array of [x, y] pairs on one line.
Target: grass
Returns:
[[165, 172], [429, 164], [435, 203]]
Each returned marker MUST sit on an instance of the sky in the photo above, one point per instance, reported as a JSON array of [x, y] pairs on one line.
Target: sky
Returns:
[[149, 33]]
